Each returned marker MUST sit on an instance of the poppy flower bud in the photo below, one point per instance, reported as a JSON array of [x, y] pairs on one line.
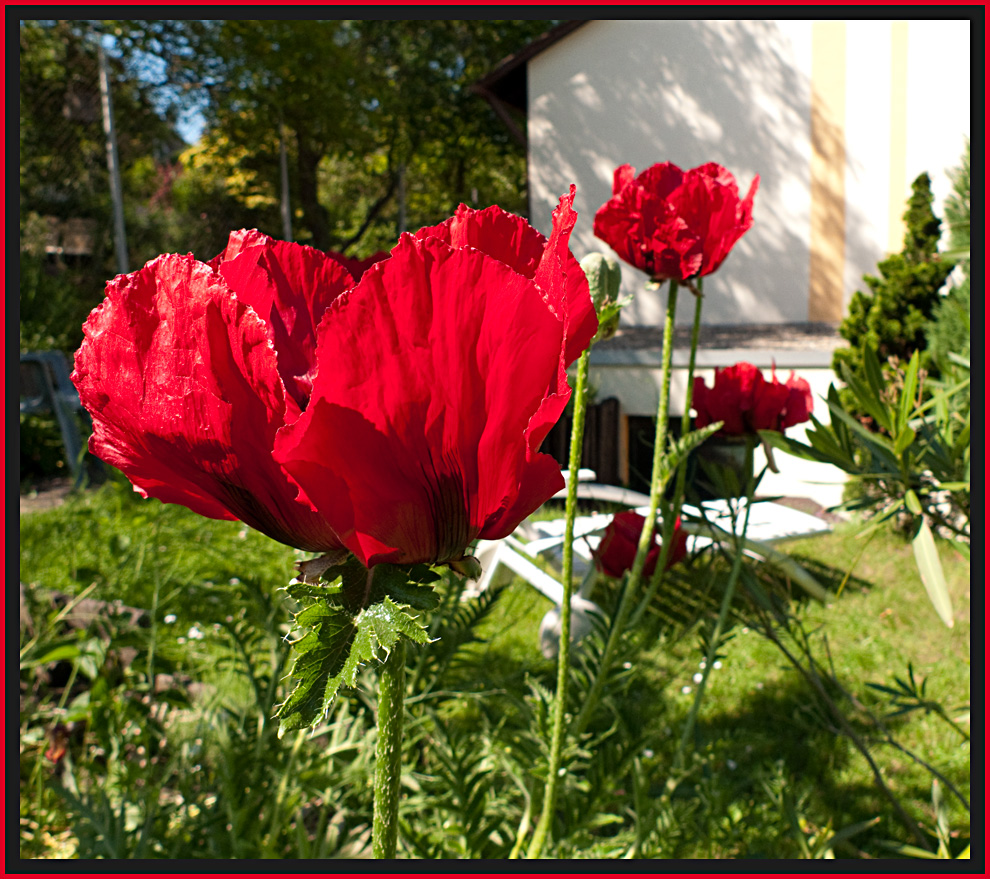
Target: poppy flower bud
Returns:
[[604, 277]]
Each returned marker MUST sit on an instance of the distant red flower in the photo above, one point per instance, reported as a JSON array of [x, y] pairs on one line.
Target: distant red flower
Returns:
[[444, 373], [617, 551], [510, 239], [357, 267], [675, 224], [743, 399], [400, 419]]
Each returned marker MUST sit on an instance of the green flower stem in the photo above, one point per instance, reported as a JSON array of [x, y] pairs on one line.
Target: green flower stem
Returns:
[[388, 752], [564, 645], [720, 624], [670, 521], [645, 539]]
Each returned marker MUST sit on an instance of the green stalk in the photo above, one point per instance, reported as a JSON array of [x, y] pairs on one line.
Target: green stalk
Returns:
[[388, 752], [564, 646], [645, 539], [675, 505], [723, 616]]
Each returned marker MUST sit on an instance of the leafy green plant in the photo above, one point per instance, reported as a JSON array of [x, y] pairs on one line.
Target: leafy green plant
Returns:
[[917, 466]]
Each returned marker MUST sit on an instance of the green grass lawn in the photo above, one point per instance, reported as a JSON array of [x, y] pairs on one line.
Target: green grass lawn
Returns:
[[769, 773]]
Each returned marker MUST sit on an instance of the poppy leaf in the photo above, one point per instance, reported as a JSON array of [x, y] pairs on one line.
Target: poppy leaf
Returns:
[[339, 641]]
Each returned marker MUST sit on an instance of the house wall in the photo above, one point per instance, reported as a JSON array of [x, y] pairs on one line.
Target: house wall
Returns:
[[836, 117]]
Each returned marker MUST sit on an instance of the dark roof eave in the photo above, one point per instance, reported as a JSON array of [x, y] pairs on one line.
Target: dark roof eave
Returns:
[[505, 87]]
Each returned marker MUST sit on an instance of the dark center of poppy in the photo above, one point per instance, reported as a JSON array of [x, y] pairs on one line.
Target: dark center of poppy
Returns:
[[447, 507]]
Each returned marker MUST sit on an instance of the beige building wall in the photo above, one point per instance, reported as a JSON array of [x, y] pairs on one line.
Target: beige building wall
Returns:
[[837, 118]]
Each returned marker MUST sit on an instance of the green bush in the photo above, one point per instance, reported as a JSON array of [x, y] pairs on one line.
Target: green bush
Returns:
[[893, 318]]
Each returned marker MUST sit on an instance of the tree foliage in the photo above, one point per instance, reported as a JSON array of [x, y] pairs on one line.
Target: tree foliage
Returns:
[[949, 332], [63, 175], [379, 125], [381, 131], [893, 317]]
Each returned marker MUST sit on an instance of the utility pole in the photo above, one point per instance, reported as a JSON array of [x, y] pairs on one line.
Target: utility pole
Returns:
[[113, 165], [284, 167]]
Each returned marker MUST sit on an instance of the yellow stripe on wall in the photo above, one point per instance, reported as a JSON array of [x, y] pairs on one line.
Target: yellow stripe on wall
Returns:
[[828, 171], [898, 134]]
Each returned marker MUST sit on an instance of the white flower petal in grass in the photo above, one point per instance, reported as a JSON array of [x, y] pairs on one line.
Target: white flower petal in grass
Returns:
[[698, 677], [170, 618], [685, 689]]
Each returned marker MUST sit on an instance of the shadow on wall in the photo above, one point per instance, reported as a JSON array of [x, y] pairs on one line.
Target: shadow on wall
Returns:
[[735, 92]]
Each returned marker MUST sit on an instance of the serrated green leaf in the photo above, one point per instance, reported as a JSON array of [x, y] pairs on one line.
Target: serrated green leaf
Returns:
[[420, 597], [387, 621], [682, 447], [340, 641], [325, 659], [313, 615], [301, 591]]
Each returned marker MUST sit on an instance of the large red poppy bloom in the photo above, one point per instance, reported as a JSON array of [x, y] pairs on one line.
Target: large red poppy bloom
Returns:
[[409, 409], [617, 550], [743, 399], [675, 224]]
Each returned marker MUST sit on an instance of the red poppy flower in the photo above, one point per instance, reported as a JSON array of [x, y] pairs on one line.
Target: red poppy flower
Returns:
[[357, 267], [617, 550], [746, 402], [675, 224], [443, 373], [410, 409], [189, 369], [511, 240]]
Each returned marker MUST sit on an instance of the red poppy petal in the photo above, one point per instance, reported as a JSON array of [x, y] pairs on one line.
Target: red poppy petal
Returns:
[[660, 180], [289, 286], [180, 379], [800, 402], [622, 177], [769, 405], [562, 278], [504, 236], [236, 242], [458, 354], [513, 241]]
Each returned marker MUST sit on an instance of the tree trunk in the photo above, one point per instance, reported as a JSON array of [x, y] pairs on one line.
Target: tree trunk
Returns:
[[314, 214]]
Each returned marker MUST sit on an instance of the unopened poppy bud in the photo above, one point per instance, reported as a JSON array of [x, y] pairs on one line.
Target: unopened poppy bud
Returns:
[[468, 566], [604, 277]]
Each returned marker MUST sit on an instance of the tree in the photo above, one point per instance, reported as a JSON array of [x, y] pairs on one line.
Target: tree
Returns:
[[380, 128], [63, 174], [893, 317]]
